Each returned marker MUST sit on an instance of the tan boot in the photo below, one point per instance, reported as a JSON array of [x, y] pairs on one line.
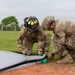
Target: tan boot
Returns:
[[67, 59]]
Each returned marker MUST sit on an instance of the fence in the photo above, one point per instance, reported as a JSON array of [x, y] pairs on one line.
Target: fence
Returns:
[[7, 28]]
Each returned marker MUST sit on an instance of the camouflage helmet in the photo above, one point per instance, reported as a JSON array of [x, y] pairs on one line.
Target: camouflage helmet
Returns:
[[46, 22], [31, 23]]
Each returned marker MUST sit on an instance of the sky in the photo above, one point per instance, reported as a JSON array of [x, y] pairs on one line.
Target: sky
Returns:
[[60, 9]]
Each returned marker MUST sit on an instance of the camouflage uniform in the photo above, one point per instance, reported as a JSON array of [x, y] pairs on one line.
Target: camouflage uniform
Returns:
[[64, 40], [64, 35], [26, 40]]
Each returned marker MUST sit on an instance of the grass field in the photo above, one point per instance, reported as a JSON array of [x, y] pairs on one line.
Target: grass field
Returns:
[[8, 41]]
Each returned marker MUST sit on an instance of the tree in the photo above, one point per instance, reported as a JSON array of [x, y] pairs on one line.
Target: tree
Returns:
[[9, 20]]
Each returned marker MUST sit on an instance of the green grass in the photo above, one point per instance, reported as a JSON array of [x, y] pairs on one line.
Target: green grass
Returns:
[[8, 41]]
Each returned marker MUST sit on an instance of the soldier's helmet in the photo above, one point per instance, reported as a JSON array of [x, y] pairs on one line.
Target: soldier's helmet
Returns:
[[46, 22], [31, 23]]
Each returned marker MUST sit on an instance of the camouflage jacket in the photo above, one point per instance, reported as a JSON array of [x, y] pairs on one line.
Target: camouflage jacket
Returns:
[[64, 35], [38, 37]]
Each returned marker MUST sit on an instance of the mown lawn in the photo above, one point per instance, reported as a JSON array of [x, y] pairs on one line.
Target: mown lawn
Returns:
[[8, 41]]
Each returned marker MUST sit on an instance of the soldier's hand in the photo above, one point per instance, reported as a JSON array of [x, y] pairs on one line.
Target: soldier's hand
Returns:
[[50, 56], [40, 52], [23, 51]]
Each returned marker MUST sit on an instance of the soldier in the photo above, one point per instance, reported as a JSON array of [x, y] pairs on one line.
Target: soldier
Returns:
[[31, 33], [64, 38]]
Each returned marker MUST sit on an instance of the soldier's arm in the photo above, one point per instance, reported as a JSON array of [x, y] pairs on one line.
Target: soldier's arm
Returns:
[[40, 43], [21, 37], [59, 42]]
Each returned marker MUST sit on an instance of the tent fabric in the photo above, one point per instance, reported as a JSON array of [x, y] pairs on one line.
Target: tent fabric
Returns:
[[10, 59]]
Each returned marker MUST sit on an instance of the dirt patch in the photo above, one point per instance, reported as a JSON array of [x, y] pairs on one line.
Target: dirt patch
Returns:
[[50, 68]]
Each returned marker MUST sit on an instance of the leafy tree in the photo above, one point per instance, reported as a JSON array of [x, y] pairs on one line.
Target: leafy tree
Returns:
[[9, 20]]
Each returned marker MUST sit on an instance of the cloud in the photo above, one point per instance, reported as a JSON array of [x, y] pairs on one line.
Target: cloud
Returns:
[[63, 9]]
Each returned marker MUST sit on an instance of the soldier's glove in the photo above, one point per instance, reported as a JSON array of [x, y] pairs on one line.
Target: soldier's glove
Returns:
[[24, 52], [40, 52], [50, 55]]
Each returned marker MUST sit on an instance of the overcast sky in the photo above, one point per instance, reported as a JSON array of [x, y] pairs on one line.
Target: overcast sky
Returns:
[[60, 9]]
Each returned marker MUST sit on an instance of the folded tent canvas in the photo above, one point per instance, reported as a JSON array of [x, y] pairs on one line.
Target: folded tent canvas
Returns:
[[9, 59]]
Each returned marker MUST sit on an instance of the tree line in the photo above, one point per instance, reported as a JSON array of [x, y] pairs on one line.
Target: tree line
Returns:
[[10, 23]]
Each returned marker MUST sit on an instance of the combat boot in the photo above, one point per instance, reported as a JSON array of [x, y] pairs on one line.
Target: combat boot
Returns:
[[67, 59]]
